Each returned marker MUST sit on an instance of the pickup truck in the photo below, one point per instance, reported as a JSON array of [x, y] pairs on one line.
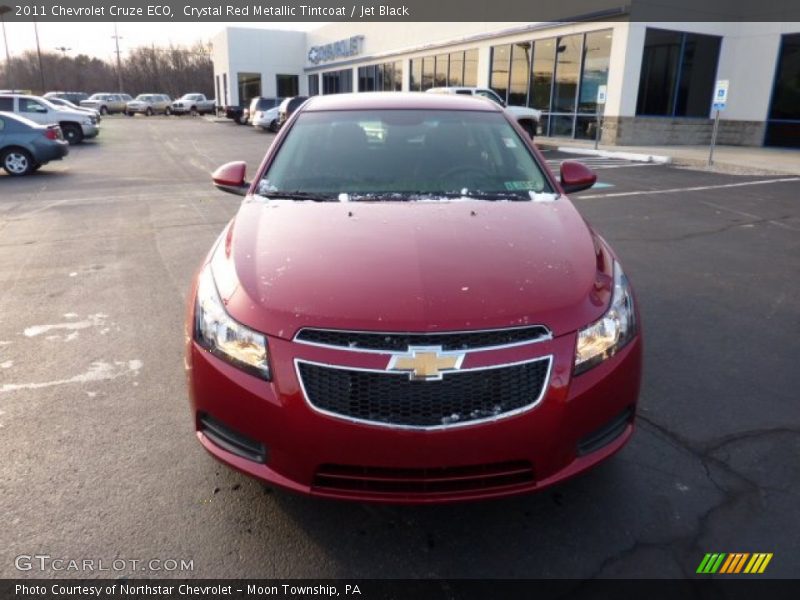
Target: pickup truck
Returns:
[[528, 118], [76, 125], [194, 104]]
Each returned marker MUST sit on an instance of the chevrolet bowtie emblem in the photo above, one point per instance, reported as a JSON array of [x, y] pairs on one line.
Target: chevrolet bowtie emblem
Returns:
[[425, 363]]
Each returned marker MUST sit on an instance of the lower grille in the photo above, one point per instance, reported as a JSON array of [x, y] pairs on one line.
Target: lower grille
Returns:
[[443, 480], [392, 399], [231, 440], [606, 434]]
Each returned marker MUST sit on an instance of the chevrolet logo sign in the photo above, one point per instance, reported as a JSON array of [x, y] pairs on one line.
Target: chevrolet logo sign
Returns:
[[425, 363]]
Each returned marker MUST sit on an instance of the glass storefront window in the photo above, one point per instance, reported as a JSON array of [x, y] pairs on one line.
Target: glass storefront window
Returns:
[[678, 74], [442, 66], [313, 85], [596, 60], [337, 82], [520, 70], [249, 85], [501, 60], [544, 52], [471, 67], [456, 73], [287, 85], [428, 72], [415, 83], [783, 126], [568, 64]]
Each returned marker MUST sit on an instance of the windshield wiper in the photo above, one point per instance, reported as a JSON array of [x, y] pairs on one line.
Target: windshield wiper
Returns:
[[279, 195]]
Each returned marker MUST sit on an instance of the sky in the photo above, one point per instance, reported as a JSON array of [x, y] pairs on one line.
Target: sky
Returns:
[[95, 39]]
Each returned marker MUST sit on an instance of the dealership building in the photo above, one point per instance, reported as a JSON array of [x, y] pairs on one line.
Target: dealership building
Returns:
[[658, 78]]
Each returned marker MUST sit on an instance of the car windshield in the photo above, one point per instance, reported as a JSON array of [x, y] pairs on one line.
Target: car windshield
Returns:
[[400, 155], [98, 97], [143, 98]]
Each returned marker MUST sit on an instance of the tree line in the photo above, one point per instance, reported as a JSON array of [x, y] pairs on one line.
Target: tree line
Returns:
[[173, 70]]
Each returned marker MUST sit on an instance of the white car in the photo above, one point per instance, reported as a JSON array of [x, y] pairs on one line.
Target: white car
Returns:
[[266, 119], [528, 118], [76, 125], [61, 103]]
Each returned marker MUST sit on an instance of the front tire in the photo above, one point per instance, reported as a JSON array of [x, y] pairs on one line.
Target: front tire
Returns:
[[72, 133], [17, 162], [103, 110], [193, 111], [148, 112], [167, 111], [529, 127]]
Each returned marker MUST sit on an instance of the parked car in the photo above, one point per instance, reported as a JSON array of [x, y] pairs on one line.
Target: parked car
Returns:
[[287, 107], [76, 125], [60, 102], [25, 146], [238, 114], [528, 118], [417, 316], [149, 105], [73, 97], [193, 104], [263, 113], [107, 103], [266, 120]]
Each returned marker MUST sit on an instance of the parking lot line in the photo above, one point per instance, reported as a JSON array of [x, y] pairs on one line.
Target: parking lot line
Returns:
[[699, 188]]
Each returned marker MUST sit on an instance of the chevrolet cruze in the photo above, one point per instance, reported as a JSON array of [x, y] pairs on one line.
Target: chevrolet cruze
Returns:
[[408, 308]]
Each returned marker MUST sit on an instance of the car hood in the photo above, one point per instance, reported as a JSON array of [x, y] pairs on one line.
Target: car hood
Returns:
[[414, 266]]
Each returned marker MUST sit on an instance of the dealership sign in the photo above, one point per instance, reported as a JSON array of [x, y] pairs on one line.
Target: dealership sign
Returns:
[[341, 49]]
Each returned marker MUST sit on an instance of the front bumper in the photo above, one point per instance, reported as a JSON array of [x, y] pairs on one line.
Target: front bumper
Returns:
[[579, 422], [90, 131]]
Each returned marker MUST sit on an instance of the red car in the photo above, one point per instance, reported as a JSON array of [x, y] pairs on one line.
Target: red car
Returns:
[[407, 308]]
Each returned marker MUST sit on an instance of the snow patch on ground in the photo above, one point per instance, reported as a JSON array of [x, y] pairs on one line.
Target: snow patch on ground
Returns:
[[91, 321], [98, 371]]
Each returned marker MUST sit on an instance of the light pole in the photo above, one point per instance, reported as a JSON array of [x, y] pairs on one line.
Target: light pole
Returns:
[[63, 50], [117, 38], [3, 10], [39, 54]]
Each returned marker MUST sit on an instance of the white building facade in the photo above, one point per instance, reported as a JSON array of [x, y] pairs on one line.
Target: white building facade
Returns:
[[659, 78]]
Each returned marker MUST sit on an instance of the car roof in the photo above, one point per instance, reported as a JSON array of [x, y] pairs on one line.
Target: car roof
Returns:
[[398, 100]]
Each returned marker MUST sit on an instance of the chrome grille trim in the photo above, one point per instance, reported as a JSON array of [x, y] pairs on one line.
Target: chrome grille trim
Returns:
[[543, 338]]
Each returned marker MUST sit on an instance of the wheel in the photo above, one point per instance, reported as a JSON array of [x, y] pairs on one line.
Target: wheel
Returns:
[[168, 111], [128, 113], [72, 133], [193, 111], [17, 162], [241, 119], [148, 112], [273, 125], [103, 110]]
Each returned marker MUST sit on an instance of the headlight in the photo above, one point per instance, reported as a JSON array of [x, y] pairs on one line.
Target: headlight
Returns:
[[87, 122], [218, 333], [606, 336]]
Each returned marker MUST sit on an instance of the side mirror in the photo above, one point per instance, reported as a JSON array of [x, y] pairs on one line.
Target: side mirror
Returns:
[[576, 176], [230, 178]]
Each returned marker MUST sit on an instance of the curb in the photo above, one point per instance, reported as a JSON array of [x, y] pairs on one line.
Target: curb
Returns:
[[632, 156]]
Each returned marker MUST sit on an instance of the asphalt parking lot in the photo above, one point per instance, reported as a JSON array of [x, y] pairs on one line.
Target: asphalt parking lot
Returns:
[[100, 460]]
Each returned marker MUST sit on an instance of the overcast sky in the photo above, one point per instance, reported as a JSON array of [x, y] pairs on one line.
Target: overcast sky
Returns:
[[95, 39]]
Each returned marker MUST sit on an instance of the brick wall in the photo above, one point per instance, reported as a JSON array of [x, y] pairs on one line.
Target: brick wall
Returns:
[[667, 131]]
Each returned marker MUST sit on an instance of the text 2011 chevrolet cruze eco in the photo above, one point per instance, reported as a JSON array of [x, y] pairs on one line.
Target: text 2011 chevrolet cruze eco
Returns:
[[407, 308]]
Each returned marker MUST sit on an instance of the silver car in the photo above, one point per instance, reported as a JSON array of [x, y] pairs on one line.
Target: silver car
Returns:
[[107, 103], [150, 104]]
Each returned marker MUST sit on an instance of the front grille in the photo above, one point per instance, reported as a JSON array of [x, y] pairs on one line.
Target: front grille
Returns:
[[392, 399], [443, 480], [400, 342]]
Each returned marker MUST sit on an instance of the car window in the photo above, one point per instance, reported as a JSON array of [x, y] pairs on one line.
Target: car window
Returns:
[[490, 95], [28, 105], [2, 124], [7, 104], [404, 154]]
